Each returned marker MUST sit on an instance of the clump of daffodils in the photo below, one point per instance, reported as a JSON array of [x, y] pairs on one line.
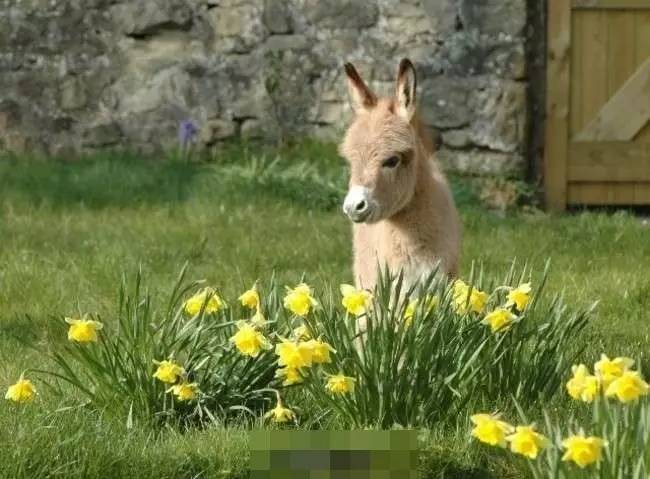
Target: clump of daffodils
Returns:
[[22, 391], [613, 378], [208, 297], [527, 441]]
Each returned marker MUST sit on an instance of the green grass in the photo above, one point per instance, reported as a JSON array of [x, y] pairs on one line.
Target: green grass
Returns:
[[69, 231]]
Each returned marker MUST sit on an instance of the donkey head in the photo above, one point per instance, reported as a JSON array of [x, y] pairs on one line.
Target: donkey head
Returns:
[[380, 146]]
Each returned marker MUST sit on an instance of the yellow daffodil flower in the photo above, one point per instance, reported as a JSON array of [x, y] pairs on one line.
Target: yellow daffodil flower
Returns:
[[320, 351], [195, 303], [250, 299], [628, 387], [355, 301], [83, 330], [466, 300], [583, 386], [340, 384], [291, 376], [168, 371], [280, 413], [294, 355], [430, 303], [488, 428], [299, 300], [248, 340], [519, 296], [22, 391], [582, 450], [609, 369], [499, 320], [185, 391], [527, 442]]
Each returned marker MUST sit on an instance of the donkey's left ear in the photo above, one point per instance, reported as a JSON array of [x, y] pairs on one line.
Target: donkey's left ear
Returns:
[[406, 89]]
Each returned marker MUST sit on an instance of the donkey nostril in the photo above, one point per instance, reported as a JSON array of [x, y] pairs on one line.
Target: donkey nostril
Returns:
[[361, 205]]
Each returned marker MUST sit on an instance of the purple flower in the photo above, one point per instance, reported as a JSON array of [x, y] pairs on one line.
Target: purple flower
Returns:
[[187, 130]]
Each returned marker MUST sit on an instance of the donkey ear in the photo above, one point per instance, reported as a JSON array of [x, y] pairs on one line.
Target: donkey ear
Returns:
[[361, 97], [406, 89]]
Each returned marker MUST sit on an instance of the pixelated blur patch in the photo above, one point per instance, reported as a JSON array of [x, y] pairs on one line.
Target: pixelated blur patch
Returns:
[[333, 454]]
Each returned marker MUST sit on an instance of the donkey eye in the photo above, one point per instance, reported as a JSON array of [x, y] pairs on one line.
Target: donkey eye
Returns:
[[391, 162]]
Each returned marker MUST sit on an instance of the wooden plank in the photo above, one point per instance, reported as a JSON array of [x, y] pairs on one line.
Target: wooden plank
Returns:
[[577, 121], [621, 49], [610, 4], [558, 101], [623, 194], [642, 30], [625, 113], [614, 161], [621, 65], [642, 193], [592, 52]]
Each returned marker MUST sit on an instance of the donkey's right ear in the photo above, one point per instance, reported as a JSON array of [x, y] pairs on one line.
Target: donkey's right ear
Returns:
[[361, 97]]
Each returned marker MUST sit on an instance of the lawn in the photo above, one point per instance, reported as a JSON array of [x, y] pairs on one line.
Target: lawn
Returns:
[[70, 231]]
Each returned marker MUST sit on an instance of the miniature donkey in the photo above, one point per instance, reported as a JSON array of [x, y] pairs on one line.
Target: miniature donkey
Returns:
[[401, 205]]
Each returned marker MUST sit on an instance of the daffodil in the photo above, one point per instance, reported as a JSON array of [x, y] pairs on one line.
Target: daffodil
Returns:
[[168, 371], [488, 428], [527, 442], [22, 391], [628, 387], [83, 330], [610, 369], [468, 299], [258, 320], [499, 320], [301, 333], [355, 301], [209, 297], [430, 303], [299, 300], [320, 351], [582, 450], [340, 384], [250, 299], [248, 340], [294, 355], [291, 376], [583, 386], [185, 391], [519, 296], [280, 413]]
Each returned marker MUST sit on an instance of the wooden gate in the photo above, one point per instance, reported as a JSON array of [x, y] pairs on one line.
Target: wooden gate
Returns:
[[598, 103]]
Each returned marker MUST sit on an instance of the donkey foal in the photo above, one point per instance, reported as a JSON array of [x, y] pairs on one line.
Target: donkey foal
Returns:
[[399, 200]]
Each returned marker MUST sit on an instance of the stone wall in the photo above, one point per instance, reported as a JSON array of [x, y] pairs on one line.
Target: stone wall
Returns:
[[86, 74]]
